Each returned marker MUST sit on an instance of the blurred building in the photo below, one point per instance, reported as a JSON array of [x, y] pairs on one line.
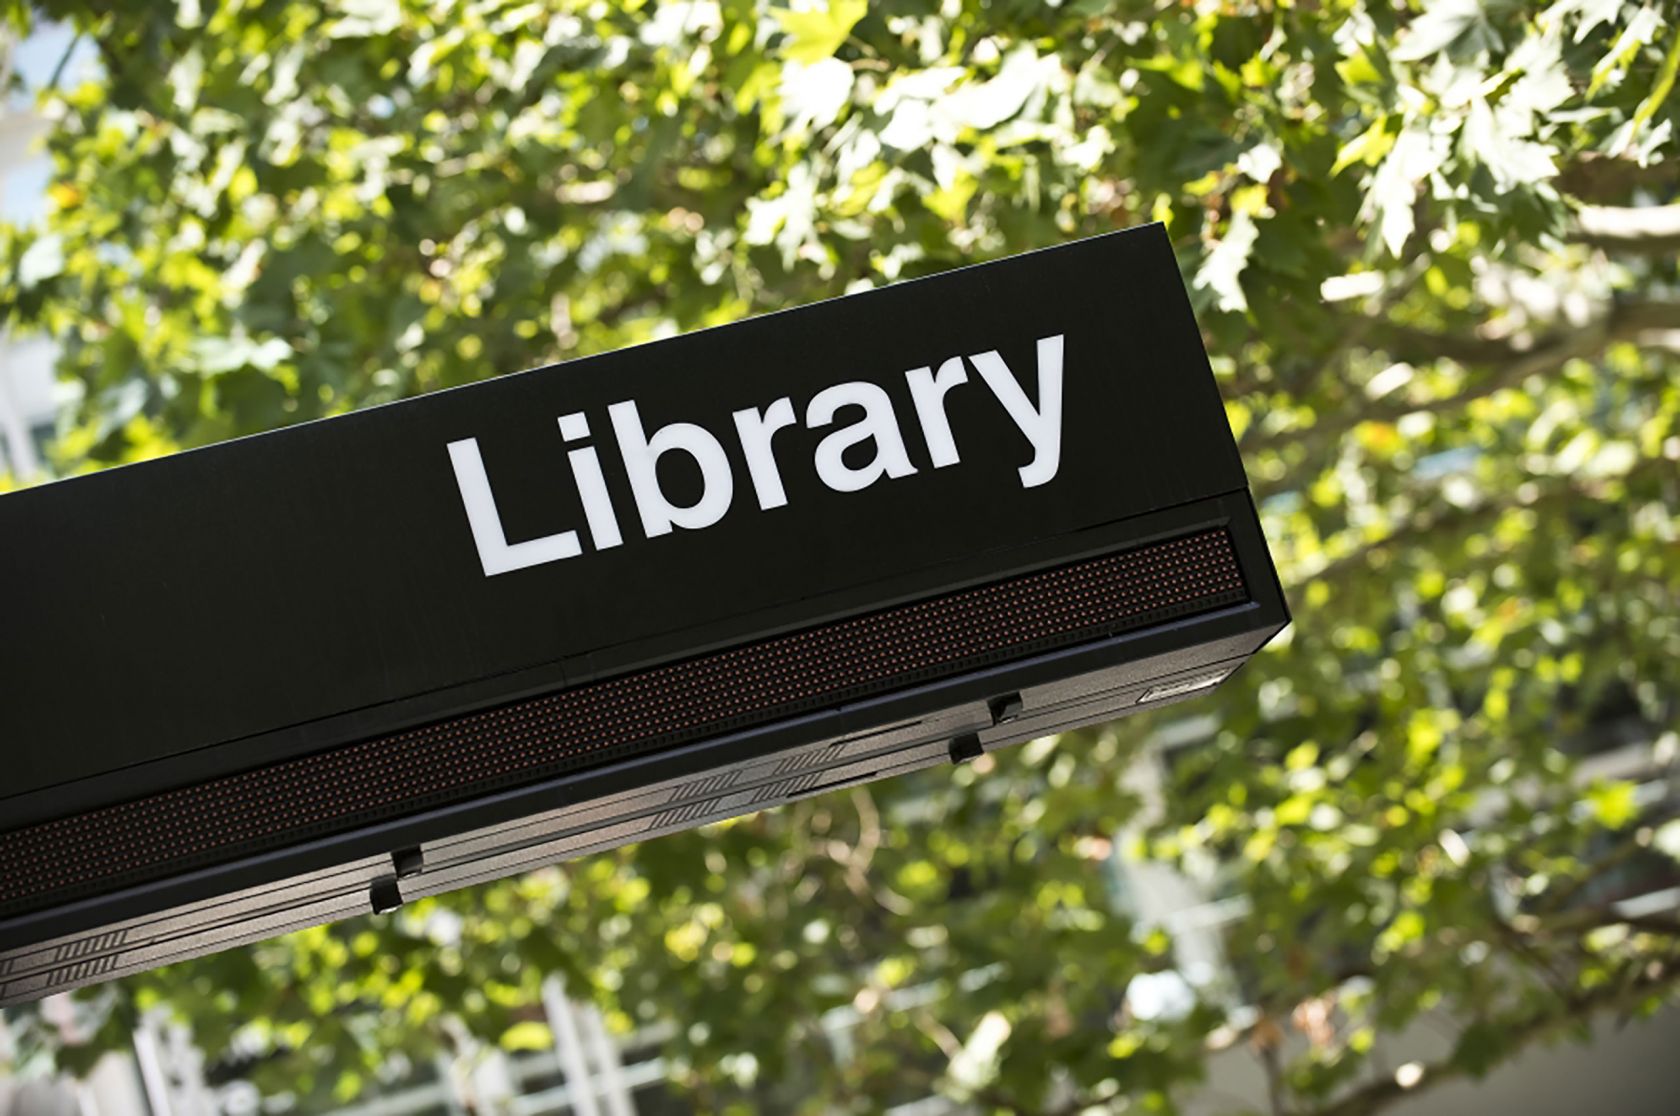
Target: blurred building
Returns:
[[589, 1072], [29, 398], [29, 405]]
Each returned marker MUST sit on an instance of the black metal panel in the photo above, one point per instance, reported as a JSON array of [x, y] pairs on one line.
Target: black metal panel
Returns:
[[660, 803]]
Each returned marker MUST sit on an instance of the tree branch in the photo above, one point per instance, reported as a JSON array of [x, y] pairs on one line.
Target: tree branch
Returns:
[[63, 61], [1581, 920], [1635, 316], [1276, 1093], [1666, 925], [1423, 524], [1604, 178], [1654, 978], [1558, 898], [1651, 230], [1509, 364], [1517, 942]]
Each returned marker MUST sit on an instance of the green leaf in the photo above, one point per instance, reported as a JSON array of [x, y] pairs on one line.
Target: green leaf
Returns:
[[1221, 272], [816, 33], [1613, 804], [363, 18], [1641, 30], [527, 1035], [1368, 147], [1662, 87], [1358, 70], [1460, 26], [43, 259]]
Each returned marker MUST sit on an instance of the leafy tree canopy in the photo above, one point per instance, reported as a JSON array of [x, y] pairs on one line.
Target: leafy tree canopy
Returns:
[[1432, 248]]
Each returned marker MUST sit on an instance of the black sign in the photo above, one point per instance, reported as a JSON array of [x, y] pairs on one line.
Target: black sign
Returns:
[[227, 607]]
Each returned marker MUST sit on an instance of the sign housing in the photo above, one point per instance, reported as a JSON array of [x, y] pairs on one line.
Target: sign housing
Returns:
[[279, 680]]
